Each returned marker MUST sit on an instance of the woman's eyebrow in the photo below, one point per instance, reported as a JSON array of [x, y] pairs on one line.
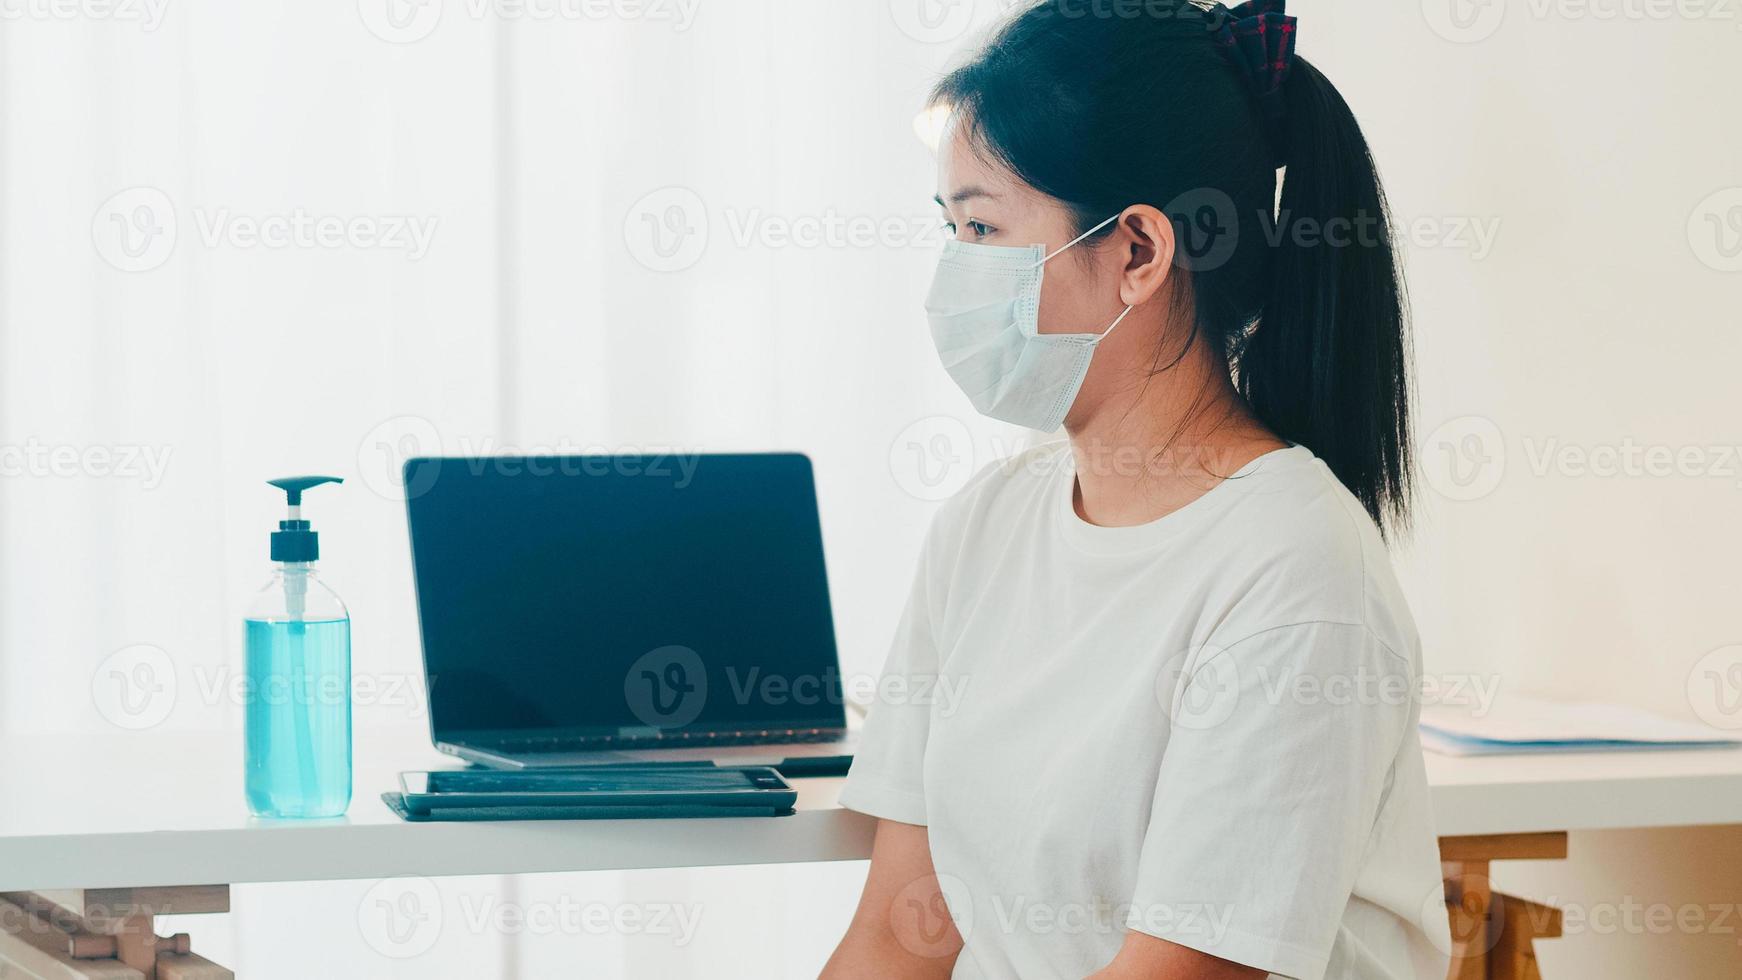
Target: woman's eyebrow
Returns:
[[966, 193]]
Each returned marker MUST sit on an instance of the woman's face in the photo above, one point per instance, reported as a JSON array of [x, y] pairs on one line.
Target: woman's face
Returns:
[[986, 205], [1086, 288]]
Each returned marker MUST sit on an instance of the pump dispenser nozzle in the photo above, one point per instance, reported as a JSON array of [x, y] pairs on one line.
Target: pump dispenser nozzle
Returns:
[[294, 540]]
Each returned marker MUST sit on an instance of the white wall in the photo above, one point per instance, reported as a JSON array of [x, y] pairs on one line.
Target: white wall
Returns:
[[1593, 323], [1596, 321]]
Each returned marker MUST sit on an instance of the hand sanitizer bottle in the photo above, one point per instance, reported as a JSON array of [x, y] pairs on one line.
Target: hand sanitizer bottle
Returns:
[[297, 742]]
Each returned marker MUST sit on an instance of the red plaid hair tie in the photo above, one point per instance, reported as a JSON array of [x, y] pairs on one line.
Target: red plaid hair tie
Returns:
[[1258, 38]]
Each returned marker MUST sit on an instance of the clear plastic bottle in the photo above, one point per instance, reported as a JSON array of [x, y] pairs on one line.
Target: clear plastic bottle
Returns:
[[297, 733]]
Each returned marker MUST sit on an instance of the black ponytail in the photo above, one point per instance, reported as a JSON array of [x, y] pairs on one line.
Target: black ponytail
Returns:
[[1304, 298], [1327, 365]]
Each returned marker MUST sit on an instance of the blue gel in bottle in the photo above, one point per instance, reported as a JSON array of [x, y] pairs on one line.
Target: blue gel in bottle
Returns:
[[297, 638]]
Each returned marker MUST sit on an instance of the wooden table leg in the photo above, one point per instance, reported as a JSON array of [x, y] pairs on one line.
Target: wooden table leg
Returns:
[[1492, 933], [1468, 903], [1521, 923]]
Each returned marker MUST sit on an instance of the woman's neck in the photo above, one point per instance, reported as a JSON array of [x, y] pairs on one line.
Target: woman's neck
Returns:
[[1164, 441]]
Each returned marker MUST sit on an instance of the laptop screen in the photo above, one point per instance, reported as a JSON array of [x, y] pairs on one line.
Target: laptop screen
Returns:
[[621, 595]]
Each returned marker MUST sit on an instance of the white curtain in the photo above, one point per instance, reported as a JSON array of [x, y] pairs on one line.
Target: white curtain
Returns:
[[240, 241]]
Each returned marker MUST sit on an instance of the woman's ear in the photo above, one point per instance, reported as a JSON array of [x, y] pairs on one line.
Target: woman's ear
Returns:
[[1148, 239]]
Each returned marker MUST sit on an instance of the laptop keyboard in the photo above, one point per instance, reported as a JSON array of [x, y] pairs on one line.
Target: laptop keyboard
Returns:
[[658, 740]]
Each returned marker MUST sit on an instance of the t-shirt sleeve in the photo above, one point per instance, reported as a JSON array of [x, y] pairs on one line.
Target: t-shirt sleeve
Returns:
[[1280, 752], [887, 776]]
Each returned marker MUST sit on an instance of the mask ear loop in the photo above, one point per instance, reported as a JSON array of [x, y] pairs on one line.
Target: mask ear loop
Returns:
[[1079, 238], [1107, 332]]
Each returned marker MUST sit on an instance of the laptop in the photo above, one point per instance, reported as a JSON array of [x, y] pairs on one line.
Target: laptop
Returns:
[[580, 610]]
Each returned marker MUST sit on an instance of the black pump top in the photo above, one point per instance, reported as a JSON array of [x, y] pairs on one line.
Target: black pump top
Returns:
[[294, 540]]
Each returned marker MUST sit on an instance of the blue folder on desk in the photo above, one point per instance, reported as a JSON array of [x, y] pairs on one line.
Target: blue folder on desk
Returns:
[[1519, 726]]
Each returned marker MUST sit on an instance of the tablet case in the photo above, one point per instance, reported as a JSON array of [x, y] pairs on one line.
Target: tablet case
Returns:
[[396, 803]]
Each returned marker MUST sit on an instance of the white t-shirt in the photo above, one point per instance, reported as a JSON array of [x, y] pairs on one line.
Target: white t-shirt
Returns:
[[1202, 728]]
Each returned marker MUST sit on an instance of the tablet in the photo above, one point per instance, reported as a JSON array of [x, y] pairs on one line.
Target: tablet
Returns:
[[603, 786]]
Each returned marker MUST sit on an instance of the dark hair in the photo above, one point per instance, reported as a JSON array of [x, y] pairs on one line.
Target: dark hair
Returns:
[[1105, 111]]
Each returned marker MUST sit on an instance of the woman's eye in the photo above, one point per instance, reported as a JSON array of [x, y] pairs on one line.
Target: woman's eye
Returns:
[[976, 229]]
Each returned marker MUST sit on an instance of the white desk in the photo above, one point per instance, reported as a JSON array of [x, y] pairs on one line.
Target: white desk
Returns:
[[1585, 791], [143, 810], [164, 809], [165, 812]]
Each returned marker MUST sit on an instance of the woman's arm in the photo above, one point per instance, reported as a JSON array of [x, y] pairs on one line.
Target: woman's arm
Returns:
[[902, 929], [1144, 957]]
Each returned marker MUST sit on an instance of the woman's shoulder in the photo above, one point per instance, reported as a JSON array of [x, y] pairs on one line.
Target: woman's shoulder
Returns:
[[1304, 550]]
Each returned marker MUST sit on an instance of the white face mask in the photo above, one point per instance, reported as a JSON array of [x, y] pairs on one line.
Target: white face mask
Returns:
[[984, 309]]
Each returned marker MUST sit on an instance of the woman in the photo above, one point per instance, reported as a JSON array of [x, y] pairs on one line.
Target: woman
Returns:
[[1183, 737]]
